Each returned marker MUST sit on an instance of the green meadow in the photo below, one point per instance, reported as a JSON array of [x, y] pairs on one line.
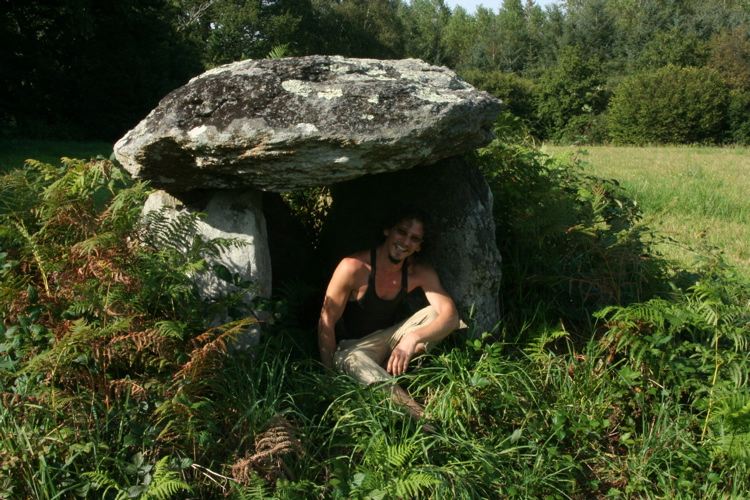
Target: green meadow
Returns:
[[697, 196]]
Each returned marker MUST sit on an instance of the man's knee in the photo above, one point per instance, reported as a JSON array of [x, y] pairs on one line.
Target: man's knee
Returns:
[[357, 364]]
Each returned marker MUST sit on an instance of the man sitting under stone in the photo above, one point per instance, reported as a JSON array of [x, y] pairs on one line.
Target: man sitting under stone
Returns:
[[361, 306]]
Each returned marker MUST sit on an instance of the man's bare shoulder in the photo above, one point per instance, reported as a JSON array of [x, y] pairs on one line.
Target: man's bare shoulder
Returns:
[[354, 264]]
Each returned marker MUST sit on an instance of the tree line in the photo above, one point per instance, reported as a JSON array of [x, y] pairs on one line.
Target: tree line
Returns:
[[592, 70]]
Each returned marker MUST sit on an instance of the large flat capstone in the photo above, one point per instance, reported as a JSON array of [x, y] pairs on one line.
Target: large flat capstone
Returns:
[[284, 124]]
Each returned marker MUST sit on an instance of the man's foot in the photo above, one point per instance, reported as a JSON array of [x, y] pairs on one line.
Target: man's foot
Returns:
[[402, 398]]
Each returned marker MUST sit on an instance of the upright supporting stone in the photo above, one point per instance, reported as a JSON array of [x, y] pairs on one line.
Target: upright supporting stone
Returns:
[[228, 214]]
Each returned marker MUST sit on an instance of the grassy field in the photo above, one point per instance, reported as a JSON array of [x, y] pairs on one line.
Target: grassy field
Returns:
[[13, 152], [696, 195]]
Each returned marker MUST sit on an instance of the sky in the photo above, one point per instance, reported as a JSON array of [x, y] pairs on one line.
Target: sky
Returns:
[[471, 5]]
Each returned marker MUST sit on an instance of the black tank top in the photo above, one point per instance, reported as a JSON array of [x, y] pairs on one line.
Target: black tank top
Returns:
[[370, 313]]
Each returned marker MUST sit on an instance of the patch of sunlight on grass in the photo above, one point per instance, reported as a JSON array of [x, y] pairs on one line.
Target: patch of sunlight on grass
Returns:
[[696, 195]]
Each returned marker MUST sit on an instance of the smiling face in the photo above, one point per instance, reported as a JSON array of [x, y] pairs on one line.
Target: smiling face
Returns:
[[404, 239]]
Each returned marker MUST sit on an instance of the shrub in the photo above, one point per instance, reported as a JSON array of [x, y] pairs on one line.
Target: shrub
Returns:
[[585, 129], [730, 56], [100, 326], [516, 92], [739, 116], [669, 105], [569, 241], [572, 88]]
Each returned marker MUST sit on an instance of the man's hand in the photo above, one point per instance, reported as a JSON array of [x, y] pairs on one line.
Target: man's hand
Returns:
[[402, 354]]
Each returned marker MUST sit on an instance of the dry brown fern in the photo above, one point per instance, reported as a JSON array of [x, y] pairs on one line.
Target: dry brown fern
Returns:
[[120, 386], [211, 347], [273, 447]]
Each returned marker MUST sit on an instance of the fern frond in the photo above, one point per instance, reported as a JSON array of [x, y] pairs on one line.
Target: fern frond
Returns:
[[171, 329], [100, 480], [170, 229], [213, 345], [399, 455], [166, 482], [272, 448], [35, 251], [252, 490], [415, 485], [93, 244], [120, 386]]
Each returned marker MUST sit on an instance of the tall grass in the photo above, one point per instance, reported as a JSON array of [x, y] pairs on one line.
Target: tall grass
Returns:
[[696, 195], [603, 383]]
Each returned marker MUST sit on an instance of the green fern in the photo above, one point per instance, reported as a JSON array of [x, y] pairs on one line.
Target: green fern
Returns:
[[35, 250], [416, 484], [399, 454], [279, 51], [100, 480], [166, 482]]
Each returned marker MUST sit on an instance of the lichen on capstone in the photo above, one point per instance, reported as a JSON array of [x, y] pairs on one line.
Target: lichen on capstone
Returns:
[[284, 124], [333, 93], [297, 87]]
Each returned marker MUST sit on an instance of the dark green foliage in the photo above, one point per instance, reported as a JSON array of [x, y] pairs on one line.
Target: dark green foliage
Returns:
[[572, 88], [669, 105], [730, 56], [517, 93], [99, 313], [112, 384], [693, 347], [590, 27], [425, 23], [739, 116], [87, 69], [228, 30], [83, 69], [675, 47], [358, 28], [568, 237], [585, 129]]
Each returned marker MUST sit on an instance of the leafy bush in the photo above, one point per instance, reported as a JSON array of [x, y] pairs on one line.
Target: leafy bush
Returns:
[[569, 240], [96, 320], [112, 385], [669, 105], [572, 88], [693, 346], [517, 93], [739, 117], [585, 129], [730, 56]]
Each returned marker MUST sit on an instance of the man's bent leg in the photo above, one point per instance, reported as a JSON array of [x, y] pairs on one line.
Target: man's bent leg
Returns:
[[419, 318], [363, 358]]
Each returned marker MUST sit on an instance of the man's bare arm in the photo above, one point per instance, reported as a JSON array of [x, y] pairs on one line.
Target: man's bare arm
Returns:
[[434, 331], [337, 293]]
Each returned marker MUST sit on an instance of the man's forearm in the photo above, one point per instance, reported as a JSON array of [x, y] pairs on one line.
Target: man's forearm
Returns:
[[326, 346], [436, 330]]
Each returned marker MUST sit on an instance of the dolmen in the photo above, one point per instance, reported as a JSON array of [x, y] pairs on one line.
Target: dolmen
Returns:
[[376, 133]]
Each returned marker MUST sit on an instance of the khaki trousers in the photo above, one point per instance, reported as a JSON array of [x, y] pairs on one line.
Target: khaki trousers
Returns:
[[363, 358]]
